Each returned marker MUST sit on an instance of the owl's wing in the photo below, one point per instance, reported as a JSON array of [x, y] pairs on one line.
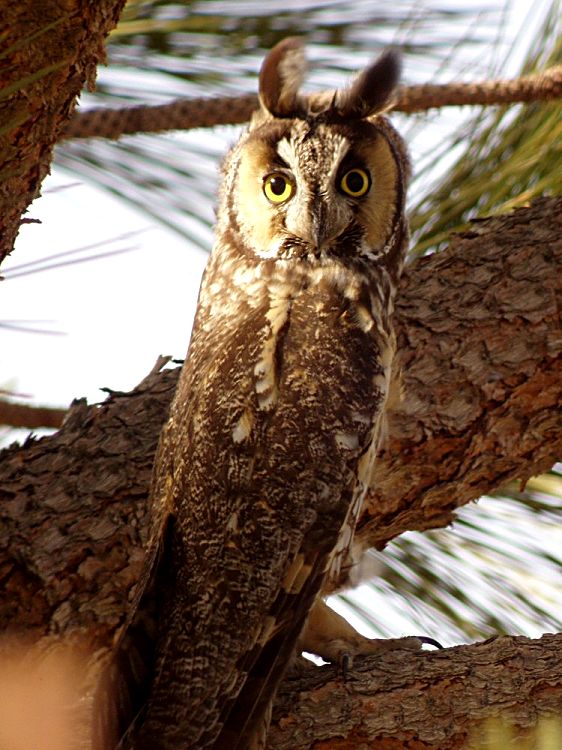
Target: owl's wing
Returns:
[[246, 719], [125, 683]]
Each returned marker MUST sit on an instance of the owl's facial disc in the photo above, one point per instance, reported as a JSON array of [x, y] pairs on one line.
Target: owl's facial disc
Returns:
[[313, 190]]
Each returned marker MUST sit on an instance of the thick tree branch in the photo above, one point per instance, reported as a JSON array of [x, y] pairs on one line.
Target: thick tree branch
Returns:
[[480, 341], [480, 338], [49, 51], [434, 700]]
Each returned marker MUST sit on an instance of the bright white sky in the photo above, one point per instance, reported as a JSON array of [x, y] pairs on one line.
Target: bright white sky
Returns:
[[116, 314]]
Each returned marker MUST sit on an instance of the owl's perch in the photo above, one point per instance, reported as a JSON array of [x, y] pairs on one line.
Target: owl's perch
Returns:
[[480, 338], [435, 700]]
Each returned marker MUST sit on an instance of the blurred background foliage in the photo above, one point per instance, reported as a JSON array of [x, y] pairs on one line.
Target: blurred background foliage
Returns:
[[498, 569], [495, 734], [467, 163]]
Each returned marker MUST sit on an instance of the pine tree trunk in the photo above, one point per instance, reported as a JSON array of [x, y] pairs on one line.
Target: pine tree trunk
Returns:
[[50, 50]]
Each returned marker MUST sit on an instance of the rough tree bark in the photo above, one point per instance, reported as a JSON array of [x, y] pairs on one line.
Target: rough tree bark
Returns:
[[50, 49], [436, 700], [480, 340]]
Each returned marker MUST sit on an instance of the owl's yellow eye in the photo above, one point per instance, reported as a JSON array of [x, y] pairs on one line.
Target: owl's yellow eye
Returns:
[[355, 183], [278, 188]]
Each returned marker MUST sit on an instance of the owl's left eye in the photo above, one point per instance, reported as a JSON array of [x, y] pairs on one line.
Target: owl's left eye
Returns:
[[356, 183], [278, 188]]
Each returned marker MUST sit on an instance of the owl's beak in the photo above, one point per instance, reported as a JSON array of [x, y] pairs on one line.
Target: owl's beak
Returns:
[[312, 232], [315, 227]]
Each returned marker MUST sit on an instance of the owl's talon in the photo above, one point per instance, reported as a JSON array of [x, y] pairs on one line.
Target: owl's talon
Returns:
[[430, 641], [346, 662], [331, 637]]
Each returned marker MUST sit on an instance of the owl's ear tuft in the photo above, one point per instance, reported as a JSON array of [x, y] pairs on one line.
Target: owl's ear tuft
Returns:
[[281, 76], [372, 90]]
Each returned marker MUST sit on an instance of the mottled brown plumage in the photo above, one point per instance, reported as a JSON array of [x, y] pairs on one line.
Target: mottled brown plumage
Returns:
[[263, 466]]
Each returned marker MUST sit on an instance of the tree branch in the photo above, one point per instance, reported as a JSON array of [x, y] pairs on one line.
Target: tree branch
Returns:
[[480, 342], [26, 415], [480, 339], [185, 114], [434, 700]]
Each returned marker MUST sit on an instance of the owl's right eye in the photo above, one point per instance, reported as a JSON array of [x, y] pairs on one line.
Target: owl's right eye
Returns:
[[278, 188]]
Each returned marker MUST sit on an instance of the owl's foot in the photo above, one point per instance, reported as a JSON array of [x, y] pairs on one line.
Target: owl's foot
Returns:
[[330, 636]]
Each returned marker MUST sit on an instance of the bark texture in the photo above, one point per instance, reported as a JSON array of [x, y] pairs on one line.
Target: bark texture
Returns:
[[434, 700], [73, 512], [479, 332], [481, 343], [50, 49]]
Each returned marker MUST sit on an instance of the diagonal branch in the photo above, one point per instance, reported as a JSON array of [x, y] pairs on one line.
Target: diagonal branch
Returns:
[[480, 339], [480, 342]]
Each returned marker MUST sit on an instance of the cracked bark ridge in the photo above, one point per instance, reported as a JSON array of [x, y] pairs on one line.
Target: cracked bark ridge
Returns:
[[480, 337], [50, 50]]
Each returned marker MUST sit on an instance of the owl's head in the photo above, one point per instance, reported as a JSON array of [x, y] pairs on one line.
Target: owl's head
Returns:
[[320, 176]]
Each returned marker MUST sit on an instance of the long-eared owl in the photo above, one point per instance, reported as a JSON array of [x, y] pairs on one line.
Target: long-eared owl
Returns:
[[264, 463]]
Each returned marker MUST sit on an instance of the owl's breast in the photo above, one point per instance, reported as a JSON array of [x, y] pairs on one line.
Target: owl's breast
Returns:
[[285, 382]]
